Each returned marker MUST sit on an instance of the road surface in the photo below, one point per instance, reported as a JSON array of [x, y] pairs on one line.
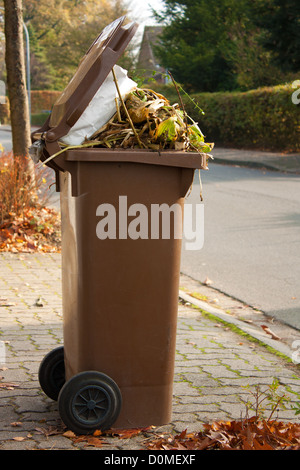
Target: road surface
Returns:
[[251, 238], [5, 138]]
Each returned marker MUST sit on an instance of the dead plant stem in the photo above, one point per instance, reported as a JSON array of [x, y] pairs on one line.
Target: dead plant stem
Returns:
[[181, 102], [118, 110], [125, 109]]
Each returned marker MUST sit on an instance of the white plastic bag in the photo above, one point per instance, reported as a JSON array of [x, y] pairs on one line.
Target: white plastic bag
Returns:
[[101, 108]]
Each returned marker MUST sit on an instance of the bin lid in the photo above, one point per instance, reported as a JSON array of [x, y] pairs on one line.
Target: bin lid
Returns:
[[91, 73]]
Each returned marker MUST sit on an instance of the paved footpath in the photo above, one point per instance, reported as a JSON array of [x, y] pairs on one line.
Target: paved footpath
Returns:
[[213, 363]]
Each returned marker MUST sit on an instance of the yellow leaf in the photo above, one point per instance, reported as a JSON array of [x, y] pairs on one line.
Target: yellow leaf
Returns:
[[69, 434]]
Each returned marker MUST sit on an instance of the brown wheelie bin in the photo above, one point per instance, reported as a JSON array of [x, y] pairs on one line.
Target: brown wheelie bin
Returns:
[[120, 293]]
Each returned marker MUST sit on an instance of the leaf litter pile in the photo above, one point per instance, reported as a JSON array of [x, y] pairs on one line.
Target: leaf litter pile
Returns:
[[247, 434], [147, 120], [36, 230], [27, 224]]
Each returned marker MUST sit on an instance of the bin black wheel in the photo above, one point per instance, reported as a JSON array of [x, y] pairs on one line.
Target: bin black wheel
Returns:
[[52, 372], [88, 401]]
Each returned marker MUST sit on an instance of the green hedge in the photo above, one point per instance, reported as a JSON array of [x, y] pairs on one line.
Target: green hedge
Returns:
[[43, 100], [38, 119], [264, 119]]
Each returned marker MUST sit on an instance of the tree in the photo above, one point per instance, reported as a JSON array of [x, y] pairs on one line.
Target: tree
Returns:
[[62, 31], [16, 79], [2, 45], [280, 23], [42, 74], [226, 45], [194, 40]]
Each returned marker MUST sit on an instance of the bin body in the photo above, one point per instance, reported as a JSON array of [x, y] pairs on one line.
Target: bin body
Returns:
[[120, 296]]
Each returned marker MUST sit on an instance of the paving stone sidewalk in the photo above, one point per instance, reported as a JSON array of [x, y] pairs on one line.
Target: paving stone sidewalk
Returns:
[[213, 363]]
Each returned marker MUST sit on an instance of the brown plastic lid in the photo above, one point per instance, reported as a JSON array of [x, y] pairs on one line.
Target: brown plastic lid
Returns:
[[91, 73]]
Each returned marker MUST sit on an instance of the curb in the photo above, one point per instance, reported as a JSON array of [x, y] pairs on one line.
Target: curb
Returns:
[[253, 331], [256, 165]]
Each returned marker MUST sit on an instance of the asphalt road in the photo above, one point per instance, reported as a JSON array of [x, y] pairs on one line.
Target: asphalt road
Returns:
[[5, 138], [251, 238]]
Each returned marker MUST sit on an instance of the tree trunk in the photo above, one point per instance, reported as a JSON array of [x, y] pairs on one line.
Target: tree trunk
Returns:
[[16, 80]]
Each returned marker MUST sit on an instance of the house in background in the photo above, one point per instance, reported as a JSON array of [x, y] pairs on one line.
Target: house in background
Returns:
[[148, 63]]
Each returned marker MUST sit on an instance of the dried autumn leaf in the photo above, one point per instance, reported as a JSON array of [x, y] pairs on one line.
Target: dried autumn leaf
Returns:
[[93, 441], [69, 434], [37, 230], [128, 433], [87, 440], [247, 434], [8, 386], [167, 129], [270, 332], [50, 431], [147, 120]]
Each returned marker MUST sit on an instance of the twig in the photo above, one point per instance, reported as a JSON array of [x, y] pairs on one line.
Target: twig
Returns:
[[191, 99], [125, 109], [181, 102], [280, 399], [71, 147], [118, 110]]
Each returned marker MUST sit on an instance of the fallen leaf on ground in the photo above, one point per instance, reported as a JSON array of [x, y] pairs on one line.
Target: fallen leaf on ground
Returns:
[[69, 434], [37, 230], [249, 434], [50, 431], [270, 332], [8, 386], [89, 441], [128, 433], [98, 437]]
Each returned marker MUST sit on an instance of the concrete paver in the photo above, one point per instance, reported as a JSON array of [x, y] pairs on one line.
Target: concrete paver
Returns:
[[213, 365]]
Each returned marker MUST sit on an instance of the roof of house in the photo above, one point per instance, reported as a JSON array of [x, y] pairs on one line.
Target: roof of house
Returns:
[[147, 60]]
